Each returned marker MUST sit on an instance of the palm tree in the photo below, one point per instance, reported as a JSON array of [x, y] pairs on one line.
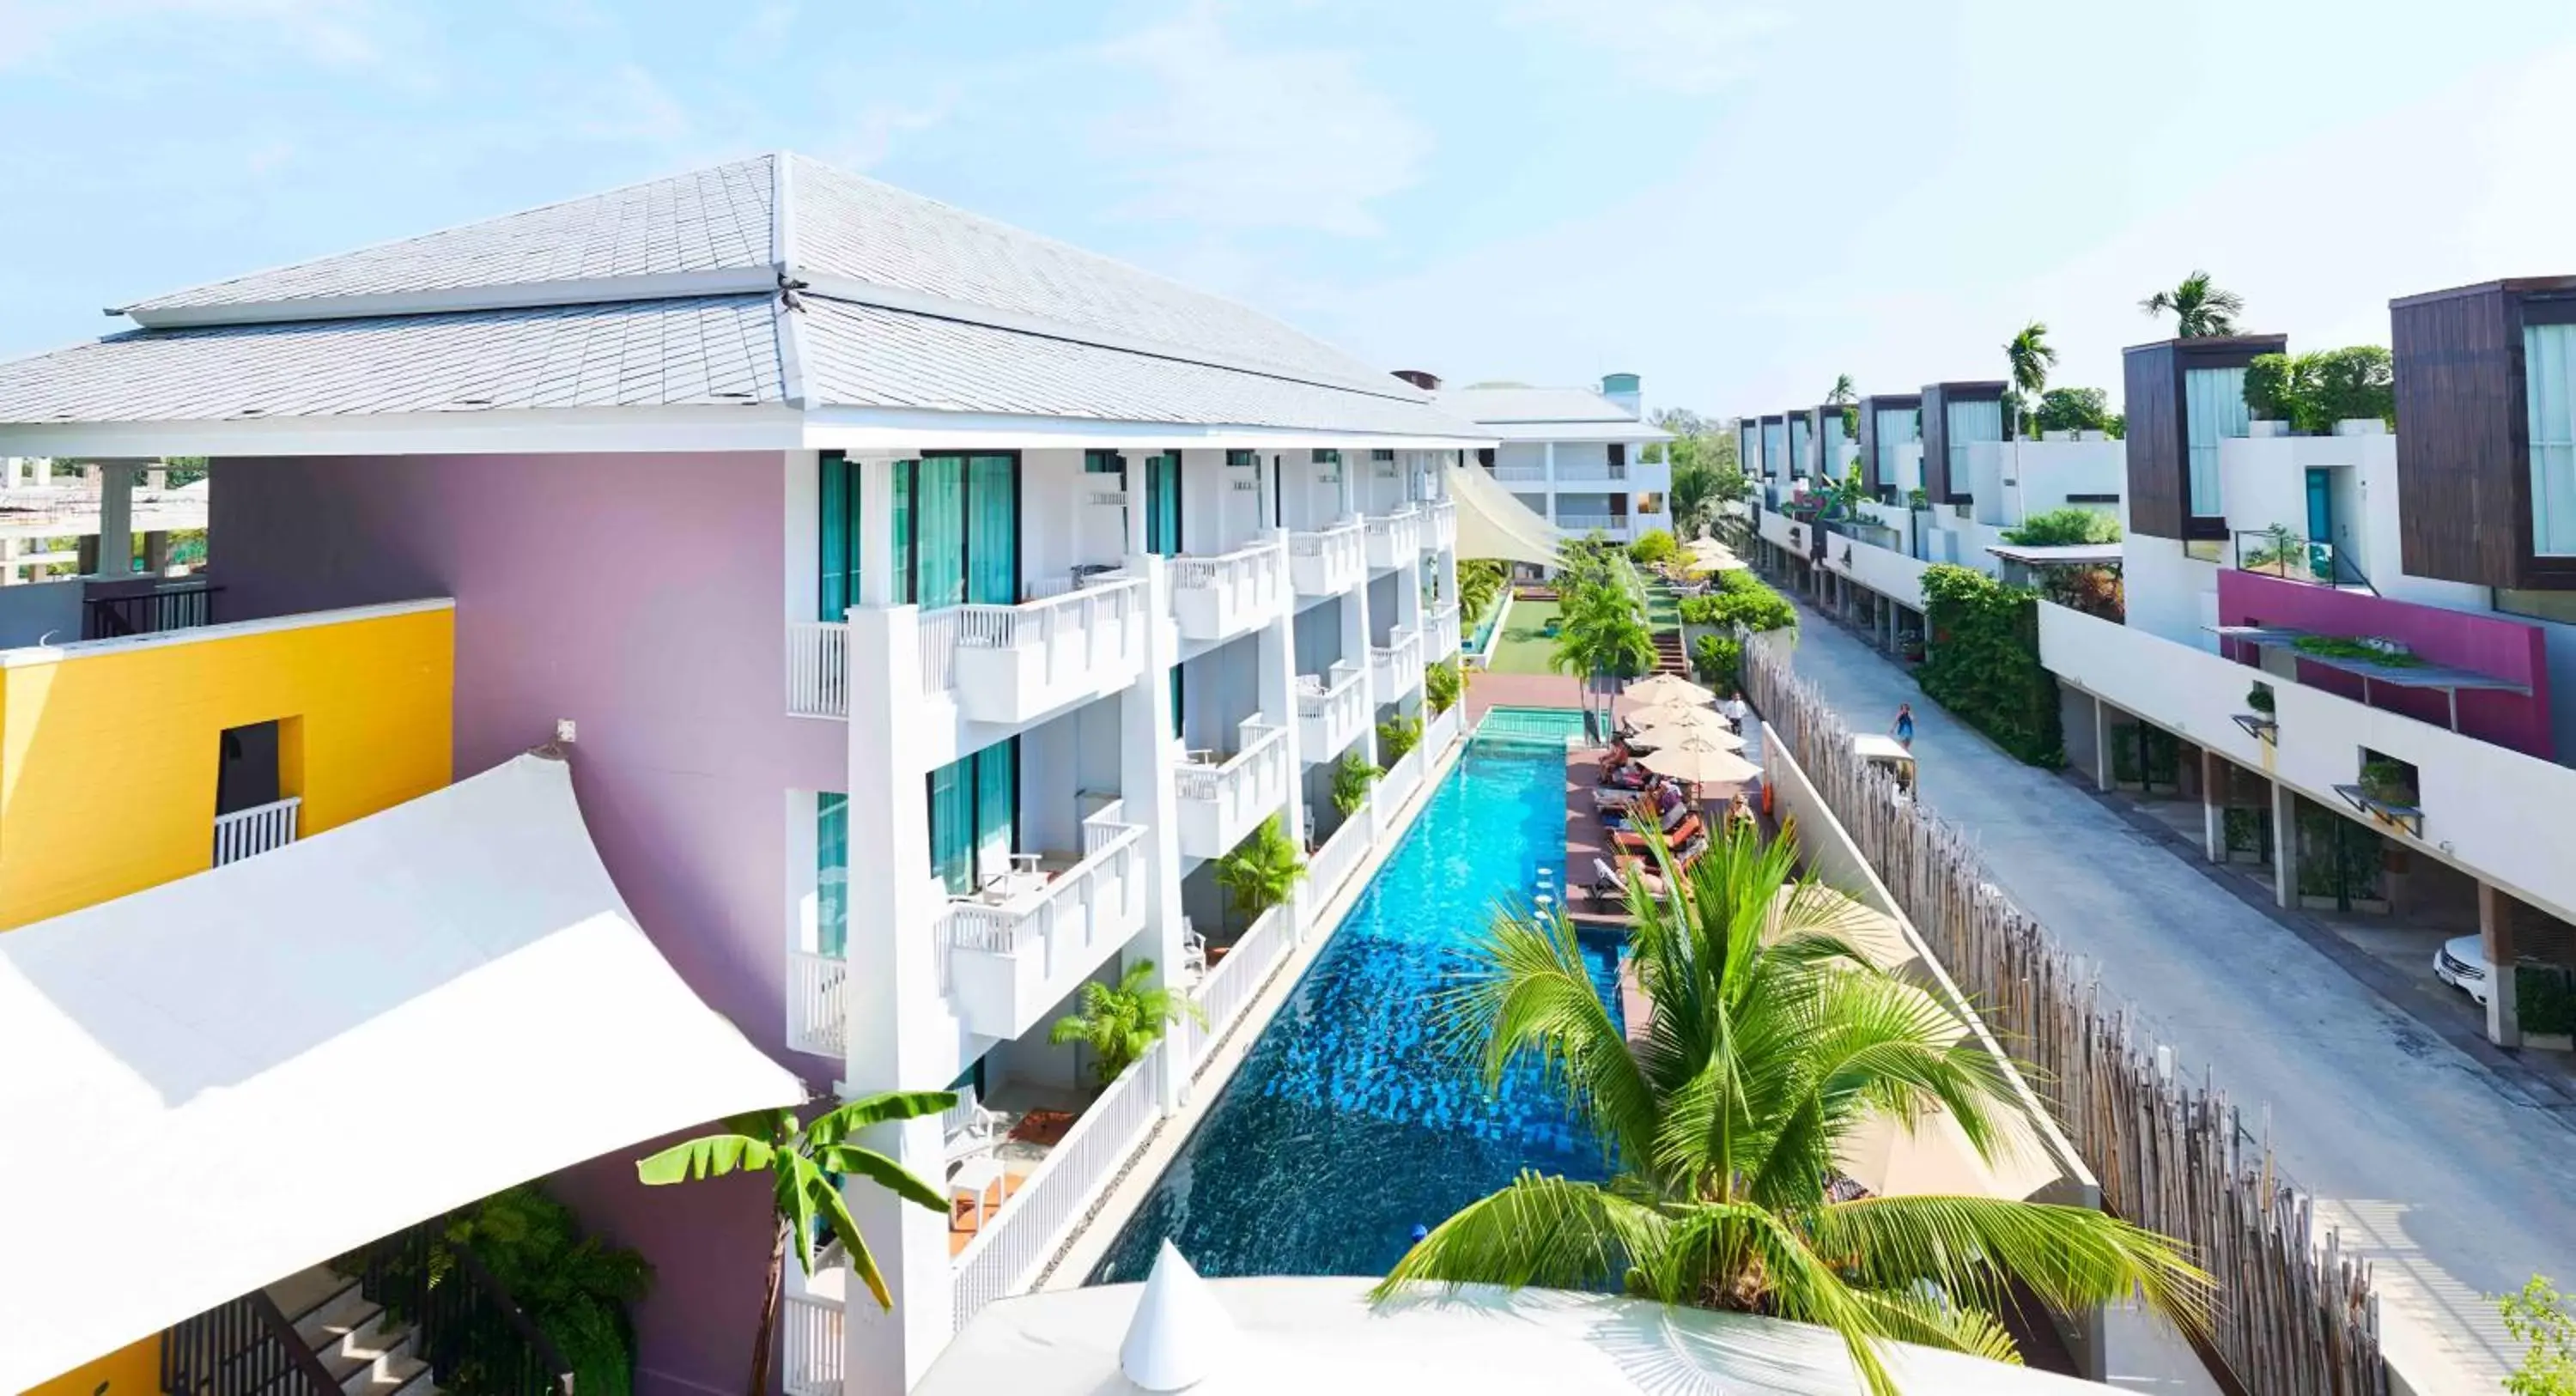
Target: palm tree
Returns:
[[2198, 307], [1772, 1043], [1601, 633], [804, 1163], [2031, 357], [1693, 496], [1842, 392], [1261, 871], [1121, 1023]]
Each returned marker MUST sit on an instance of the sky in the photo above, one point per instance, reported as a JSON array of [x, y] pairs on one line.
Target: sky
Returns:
[[1738, 201]]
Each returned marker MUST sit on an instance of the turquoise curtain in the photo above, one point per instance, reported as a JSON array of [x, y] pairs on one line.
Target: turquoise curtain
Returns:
[[993, 530], [831, 873], [907, 478], [939, 532], [2549, 387], [1163, 504], [997, 807], [1179, 723], [838, 525], [952, 826], [2213, 410]]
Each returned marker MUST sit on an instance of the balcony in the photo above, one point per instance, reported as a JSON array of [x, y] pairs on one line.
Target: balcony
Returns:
[[1393, 539], [1015, 951], [1609, 525], [1570, 472], [1218, 598], [1332, 712], [1328, 562], [1441, 625], [1440, 526], [1012, 664], [1396, 666], [1221, 800], [1520, 474], [818, 669], [250, 832]]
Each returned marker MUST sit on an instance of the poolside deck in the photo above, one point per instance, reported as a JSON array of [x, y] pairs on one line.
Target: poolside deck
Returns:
[[1587, 838]]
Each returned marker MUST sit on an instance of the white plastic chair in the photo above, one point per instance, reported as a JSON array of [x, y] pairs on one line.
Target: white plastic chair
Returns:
[[1193, 951]]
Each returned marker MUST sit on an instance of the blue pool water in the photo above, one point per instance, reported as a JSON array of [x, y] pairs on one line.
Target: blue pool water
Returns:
[[1348, 1122]]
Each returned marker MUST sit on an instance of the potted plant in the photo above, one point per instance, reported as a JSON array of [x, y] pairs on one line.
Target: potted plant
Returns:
[[1397, 736], [1262, 870], [1121, 1022], [1352, 777], [2259, 698], [2389, 782]]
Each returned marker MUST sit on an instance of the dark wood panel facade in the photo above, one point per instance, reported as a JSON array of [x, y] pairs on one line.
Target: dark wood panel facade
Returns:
[[2159, 437], [2464, 465], [1938, 487], [1880, 480]]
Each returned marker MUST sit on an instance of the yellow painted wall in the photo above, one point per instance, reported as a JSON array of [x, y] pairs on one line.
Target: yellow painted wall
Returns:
[[134, 1371], [108, 757]]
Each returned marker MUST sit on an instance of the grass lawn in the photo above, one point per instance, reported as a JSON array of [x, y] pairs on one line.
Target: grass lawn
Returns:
[[1524, 646]]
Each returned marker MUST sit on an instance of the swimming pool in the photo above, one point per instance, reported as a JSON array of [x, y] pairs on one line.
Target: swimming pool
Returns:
[[1346, 1125]]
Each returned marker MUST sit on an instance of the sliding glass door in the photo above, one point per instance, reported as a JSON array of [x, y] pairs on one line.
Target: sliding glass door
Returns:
[[953, 524], [831, 873], [975, 816], [1163, 504]]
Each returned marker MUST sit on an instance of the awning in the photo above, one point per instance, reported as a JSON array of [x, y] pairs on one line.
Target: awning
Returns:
[[213, 1084], [1492, 523]]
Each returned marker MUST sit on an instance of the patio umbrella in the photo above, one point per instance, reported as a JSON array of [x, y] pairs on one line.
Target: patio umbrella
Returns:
[[1701, 761], [1667, 688], [1666, 726]]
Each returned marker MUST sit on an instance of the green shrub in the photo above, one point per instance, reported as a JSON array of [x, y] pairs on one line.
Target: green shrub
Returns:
[[574, 1288], [2314, 391], [2074, 409], [2271, 388], [2259, 698], [1480, 585], [1441, 685], [2059, 528], [1352, 777], [1915, 498], [1743, 602], [1984, 661], [1396, 736], [2544, 1322], [2544, 998], [2385, 654], [1718, 660], [1656, 546]]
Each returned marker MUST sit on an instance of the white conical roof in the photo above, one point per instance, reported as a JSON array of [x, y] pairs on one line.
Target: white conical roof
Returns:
[[1180, 1334]]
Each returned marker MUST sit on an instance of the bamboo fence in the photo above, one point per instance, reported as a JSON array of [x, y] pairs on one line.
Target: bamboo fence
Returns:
[[2295, 1314]]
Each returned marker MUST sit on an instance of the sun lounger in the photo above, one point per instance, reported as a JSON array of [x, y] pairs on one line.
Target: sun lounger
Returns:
[[1676, 836]]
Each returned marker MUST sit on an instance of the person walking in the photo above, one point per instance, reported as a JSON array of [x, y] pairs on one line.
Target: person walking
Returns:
[[1904, 728], [1735, 712]]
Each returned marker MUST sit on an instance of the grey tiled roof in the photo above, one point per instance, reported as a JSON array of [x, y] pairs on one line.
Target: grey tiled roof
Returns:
[[1532, 405], [864, 356], [718, 349], [707, 220]]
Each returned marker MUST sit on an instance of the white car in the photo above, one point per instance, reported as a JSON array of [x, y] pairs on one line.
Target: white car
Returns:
[[2462, 964]]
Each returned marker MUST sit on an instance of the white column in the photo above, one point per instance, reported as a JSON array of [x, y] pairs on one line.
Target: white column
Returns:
[[2101, 743], [116, 517], [1136, 507], [876, 543], [1145, 791], [1356, 633], [1278, 686], [2285, 844], [2214, 781], [1349, 486], [902, 1035]]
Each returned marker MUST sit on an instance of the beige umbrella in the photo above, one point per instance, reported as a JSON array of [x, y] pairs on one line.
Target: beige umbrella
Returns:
[[1667, 688], [1666, 726], [1701, 761]]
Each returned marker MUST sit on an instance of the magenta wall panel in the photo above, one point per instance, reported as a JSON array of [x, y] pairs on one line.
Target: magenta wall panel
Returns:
[[2484, 644]]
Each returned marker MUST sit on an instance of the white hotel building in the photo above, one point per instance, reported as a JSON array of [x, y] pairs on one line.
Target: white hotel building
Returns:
[[1573, 456]]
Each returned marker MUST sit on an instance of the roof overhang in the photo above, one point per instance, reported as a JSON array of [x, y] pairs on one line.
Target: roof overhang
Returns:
[[1622, 430], [200, 1067]]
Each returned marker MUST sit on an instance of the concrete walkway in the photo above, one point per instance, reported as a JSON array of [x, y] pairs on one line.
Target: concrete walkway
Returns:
[[2451, 1182]]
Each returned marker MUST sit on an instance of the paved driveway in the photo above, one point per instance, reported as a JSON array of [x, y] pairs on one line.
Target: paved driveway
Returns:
[[2454, 1186]]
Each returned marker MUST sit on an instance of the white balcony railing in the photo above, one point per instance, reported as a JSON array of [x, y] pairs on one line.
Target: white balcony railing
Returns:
[[1341, 855], [1614, 525], [1441, 731], [244, 833], [1006, 1255], [1442, 626], [1229, 988], [1520, 474], [1331, 718], [1218, 598], [1220, 803], [810, 1327], [1440, 526], [1396, 666], [818, 668], [1393, 539], [1010, 663], [1010, 961], [818, 1005], [1402, 778], [1328, 562]]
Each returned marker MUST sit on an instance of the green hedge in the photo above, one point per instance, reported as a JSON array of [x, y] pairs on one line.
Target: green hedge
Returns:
[[2544, 999], [1743, 602], [1984, 664]]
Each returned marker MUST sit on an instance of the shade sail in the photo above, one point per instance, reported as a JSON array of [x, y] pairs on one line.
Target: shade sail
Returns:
[[1492, 523], [213, 1084]]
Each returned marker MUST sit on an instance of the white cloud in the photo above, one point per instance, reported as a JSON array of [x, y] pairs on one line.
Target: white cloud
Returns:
[[333, 33], [1687, 46], [1283, 138]]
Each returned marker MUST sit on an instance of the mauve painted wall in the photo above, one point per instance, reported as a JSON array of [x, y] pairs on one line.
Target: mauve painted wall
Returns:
[[2463, 640], [643, 597]]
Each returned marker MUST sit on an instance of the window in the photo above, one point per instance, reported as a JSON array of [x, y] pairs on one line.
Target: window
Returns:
[[246, 771], [1970, 422], [1163, 504], [1103, 463], [974, 816], [838, 525], [2558, 606], [2549, 390], [1382, 455], [1485, 456], [831, 874], [2213, 409], [1799, 459], [1243, 458], [1618, 453], [1327, 457], [1896, 427], [956, 530]]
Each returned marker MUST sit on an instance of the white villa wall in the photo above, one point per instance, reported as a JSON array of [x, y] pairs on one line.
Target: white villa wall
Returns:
[[2013, 480], [1893, 575], [1909, 468], [1582, 460], [2481, 801], [2169, 594], [1895, 516]]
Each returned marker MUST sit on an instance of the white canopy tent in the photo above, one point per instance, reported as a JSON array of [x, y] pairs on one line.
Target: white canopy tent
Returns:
[[216, 1083], [1493, 523]]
